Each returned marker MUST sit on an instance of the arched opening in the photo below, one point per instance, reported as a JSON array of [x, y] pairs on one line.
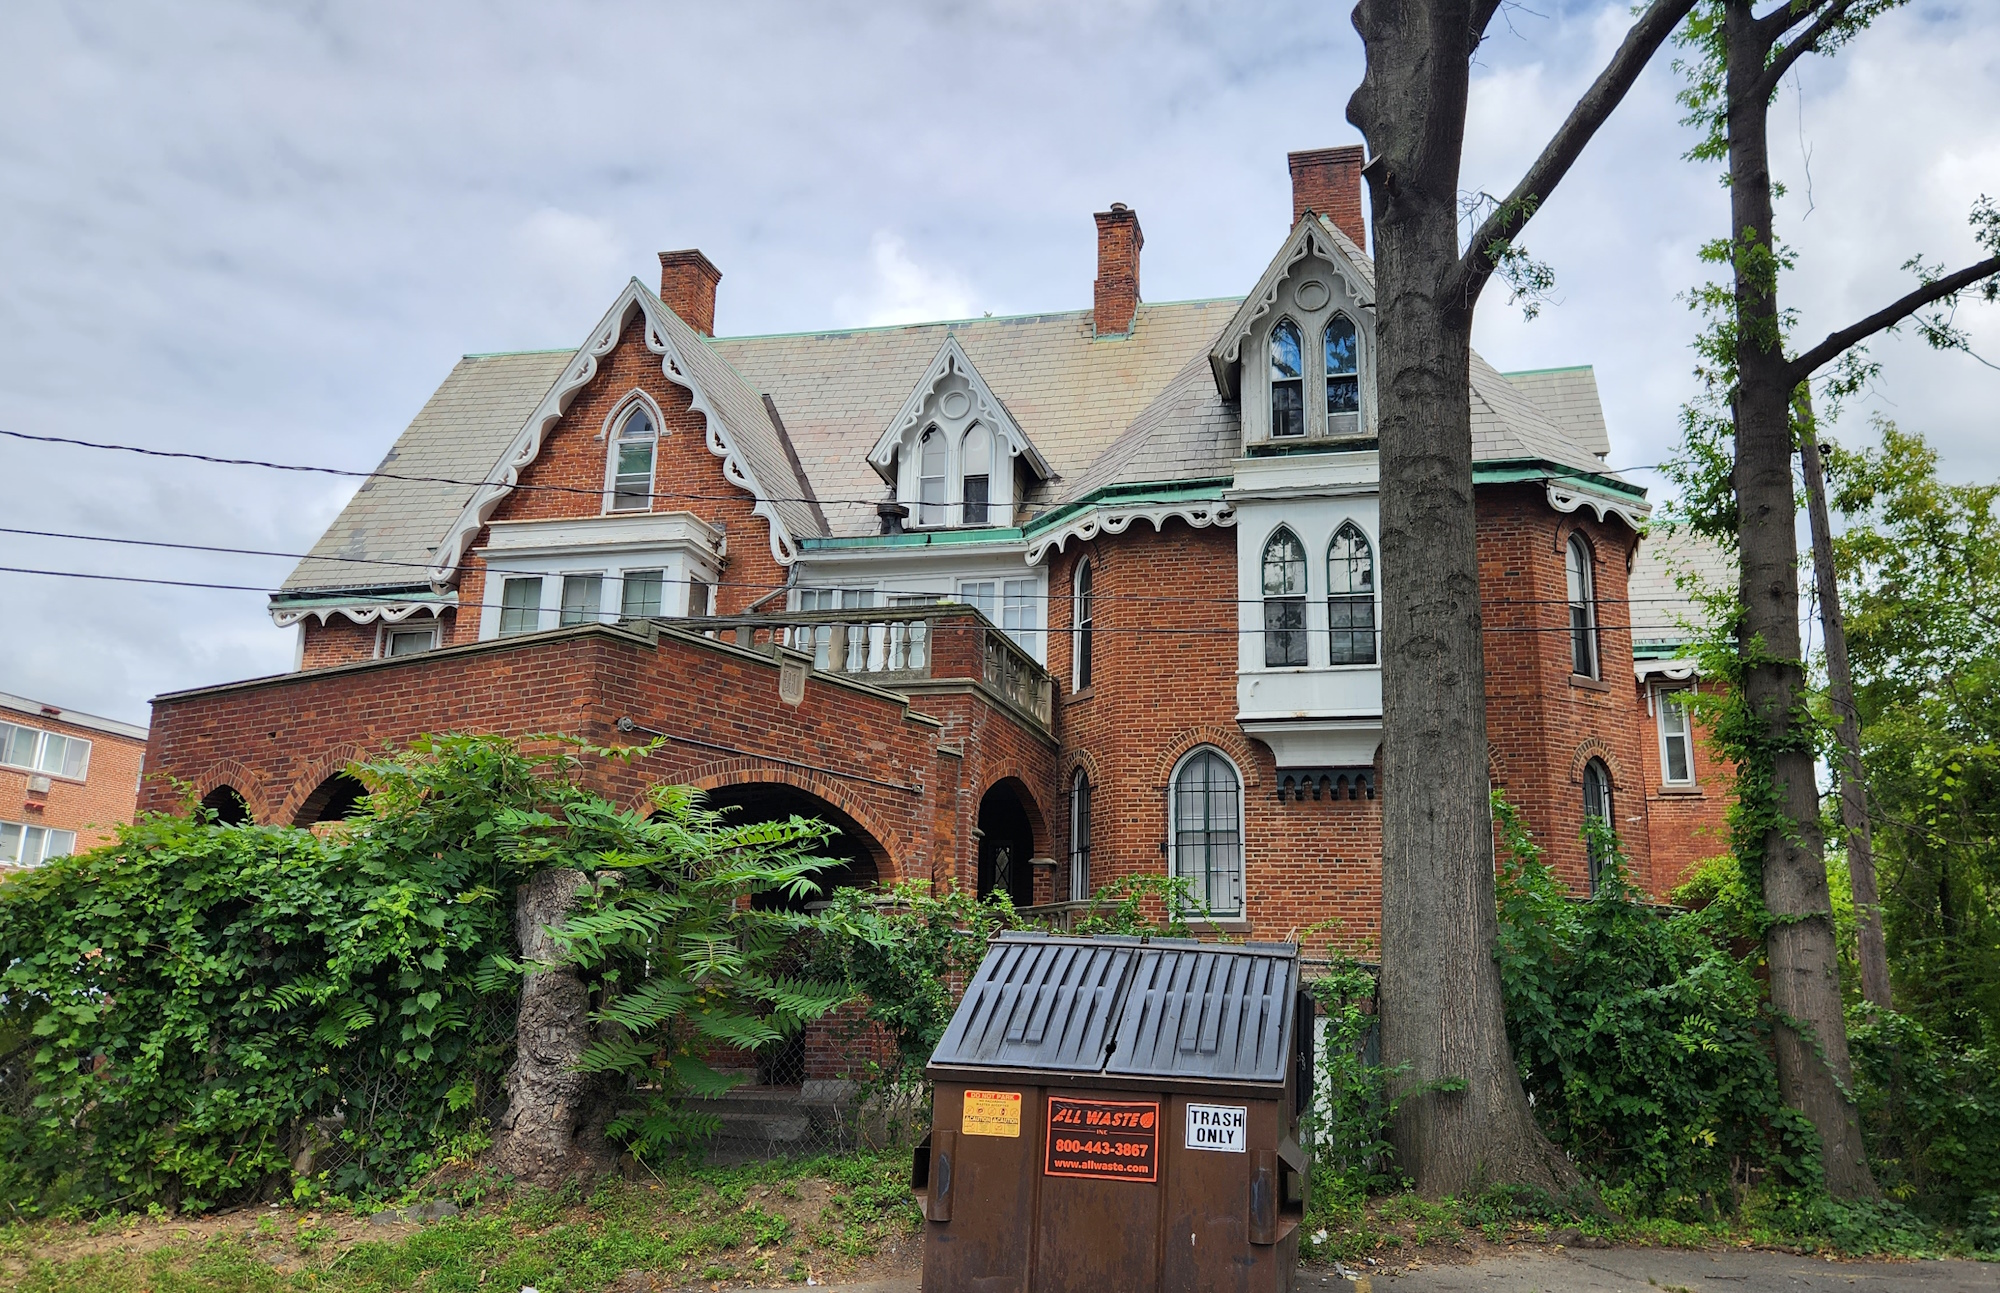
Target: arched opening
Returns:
[[228, 805], [1007, 843], [859, 859], [334, 800]]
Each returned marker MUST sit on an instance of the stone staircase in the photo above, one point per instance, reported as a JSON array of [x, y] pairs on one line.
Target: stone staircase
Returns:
[[760, 1122]]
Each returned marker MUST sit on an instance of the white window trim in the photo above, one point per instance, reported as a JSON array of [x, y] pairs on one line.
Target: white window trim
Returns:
[[1242, 827], [383, 631], [605, 578], [1084, 566], [25, 827], [1577, 540], [42, 735], [1659, 708], [541, 604], [609, 434]]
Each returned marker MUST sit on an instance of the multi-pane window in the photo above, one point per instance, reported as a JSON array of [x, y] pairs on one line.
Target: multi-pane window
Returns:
[[1343, 369], [1582, 592], [818, 638], [24, 845], [582, 597], [642, 594], [520, 606], [1284, 600], [1597, 810], [931, 460], [632, 462], [1288, 405], [1010, 603], [697, 597], [1086, 621], [1079, 837], [397, 642], [1208, 830], [39, 751], [976, 452], [1676, 737], [1350, 597]]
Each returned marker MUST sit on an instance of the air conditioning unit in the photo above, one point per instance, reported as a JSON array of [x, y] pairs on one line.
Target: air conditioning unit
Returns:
[[38, 785]]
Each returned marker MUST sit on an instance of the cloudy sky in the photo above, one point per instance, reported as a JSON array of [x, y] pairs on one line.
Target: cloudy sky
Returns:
[[268, 229]]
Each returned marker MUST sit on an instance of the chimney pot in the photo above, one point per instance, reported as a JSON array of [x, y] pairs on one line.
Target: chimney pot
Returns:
[[687, 285], [1327, 181], [1116, 291]]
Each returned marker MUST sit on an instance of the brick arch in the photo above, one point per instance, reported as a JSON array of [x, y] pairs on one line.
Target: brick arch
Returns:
[[1071, 762], [1594, 747], [333, 761], [1227, 739], [723, 773], [1038, 821], [238, 777]]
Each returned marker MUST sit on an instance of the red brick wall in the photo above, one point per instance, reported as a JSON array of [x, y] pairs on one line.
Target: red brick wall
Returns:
[[1689, 824], [106, 797]]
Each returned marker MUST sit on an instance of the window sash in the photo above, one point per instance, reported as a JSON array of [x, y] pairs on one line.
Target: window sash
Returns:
[[1288, 409], [1019, 616], [1208, 837], [1079, 838], [641, 594], [1582, 641], [697, 597], [582, 596], [1676, 747], [1086, 615], [632, 483], [520, 606], [1284, 632], [24, 845], [409, 642], [975, 500], [1351, 629], [40, 751]]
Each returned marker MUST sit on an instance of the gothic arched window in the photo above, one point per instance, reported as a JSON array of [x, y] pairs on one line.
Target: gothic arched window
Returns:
[[1288, 404], [632, 462], [1284, 600], [1597, 810], [1582, 591], [1343, 367], [1350, 597], [976, 454], [1207, 814], [931, 460]]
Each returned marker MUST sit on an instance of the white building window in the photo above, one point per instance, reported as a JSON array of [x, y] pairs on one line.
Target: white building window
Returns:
[[582, 597], [932, 463], [976, 457], [39, 751], [641, 594], [1288, 402], [520, 606], [1013, 604], [1343, 371], [1676, 738], [1582, 590], [23, 845], [632, 453], [1207, 830], [1350, 597], [1079, 837], [1597, 809], [1085, 619], [1284, 600], [408, 641]]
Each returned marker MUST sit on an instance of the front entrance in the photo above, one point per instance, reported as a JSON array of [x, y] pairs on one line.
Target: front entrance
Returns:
[[1006, 844]]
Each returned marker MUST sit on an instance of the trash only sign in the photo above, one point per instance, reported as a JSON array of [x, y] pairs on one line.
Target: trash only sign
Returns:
[[1217, 1126]]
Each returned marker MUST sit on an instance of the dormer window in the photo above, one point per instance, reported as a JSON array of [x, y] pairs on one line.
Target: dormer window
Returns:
[[1288, 405], [632, 462], [931, 462], [978, 459], [1343, 372]]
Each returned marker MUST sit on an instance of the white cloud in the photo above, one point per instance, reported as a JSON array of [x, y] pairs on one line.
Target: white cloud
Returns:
[[902, 291]]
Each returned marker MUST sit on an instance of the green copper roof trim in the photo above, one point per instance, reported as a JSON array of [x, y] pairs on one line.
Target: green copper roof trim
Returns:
[[917, 539], [1514, 470], [1662, 650], [1563, 368], [362, 597], [1171, 491]]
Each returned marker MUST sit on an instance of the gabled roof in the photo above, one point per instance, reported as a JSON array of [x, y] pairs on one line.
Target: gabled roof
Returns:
[[988, 408], [1663, 611], [1568, 396], [1311, 236]]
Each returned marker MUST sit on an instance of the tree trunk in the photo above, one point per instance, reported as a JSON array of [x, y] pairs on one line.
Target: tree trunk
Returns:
[[1870, 947], [551, 1131], [1442, 1016], [1811, 1032]]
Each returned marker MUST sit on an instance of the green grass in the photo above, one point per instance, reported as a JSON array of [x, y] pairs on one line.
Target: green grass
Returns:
[[693, 1224]]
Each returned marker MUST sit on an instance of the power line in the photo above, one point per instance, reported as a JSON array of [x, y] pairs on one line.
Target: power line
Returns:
[[887, 591]]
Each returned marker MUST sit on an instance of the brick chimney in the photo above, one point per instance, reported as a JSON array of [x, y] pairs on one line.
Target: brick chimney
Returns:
[[687, 285], [1117, 287], [1327, 181]]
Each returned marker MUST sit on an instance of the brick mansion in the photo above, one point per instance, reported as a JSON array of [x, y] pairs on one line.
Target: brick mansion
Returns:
[[1025, 604]]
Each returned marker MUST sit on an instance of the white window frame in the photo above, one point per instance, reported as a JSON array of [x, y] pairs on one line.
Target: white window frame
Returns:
[[388, 631], [1083, 625], [1302, 597], [541, 604], [1664, 699], [624, 581], [562, 595], [22, 832], [40, 752], [1586, 598], [1594, 862], [1242, 878], [614, 429]]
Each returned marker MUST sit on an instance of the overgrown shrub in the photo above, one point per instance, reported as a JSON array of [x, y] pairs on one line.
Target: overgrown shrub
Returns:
[[1931, 1112]]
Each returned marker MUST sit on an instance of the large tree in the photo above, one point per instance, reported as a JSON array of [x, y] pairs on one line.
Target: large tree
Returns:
[[1740, 55], [1464, 1120]]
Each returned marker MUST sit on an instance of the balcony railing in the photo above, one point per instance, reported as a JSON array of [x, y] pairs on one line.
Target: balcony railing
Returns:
[[895, 647]]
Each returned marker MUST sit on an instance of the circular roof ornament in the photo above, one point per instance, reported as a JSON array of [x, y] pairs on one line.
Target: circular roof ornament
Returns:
[[954, 404], [1312, 294]]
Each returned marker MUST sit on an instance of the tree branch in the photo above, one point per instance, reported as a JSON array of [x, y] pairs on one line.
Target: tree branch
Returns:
[[1468, 278], [1826, 351], [1806, 42], [1774, 24], [1482, 18]]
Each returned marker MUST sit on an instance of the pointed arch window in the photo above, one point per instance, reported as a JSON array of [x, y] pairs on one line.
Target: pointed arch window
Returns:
[[977, 455], [1582, 593], [1284, 600], [1085, 619], [1343, 368], [1288, 405], [1350, 597], [1597, 810], [1207, 810], [632, 454], [1079, 837], [931, 459]]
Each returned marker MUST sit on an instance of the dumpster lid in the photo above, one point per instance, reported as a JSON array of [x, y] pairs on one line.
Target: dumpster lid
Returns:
[[1159, 1008]]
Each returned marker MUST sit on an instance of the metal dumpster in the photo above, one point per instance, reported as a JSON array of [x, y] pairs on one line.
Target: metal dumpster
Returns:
[[1118, 1115]]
